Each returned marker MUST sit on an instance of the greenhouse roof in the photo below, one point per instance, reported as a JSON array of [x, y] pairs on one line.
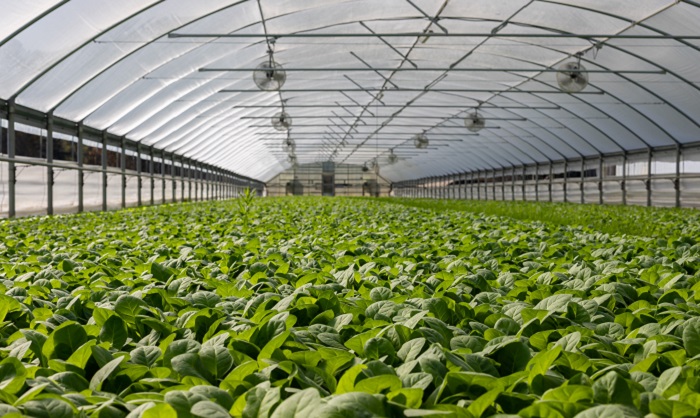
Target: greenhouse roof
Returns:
[[363, 78]]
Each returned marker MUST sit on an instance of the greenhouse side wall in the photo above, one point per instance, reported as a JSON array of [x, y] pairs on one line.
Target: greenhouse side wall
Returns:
[[663, 178], [45, 171]]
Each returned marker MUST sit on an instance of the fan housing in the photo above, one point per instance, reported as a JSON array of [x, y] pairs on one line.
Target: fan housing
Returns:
[[572, 77], [475, 122], [269, 76]]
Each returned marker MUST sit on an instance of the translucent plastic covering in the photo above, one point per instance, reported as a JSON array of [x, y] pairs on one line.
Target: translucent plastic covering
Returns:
[[364, 80]]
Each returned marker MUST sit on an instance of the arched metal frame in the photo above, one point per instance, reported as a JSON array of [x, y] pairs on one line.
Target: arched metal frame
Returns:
[[197, 122]]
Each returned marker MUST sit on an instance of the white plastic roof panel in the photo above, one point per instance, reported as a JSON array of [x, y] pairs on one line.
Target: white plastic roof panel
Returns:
[[114, 67]]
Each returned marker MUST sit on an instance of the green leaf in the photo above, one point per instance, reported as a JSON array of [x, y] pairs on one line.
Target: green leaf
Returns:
[[612, 388], [146, 355], [208, 409], [347, 382], [105, 373], [48, 408], [609, 411], [302, 404], [352, 405], [691, 337], [64, 341], [12, 375], [378, 384], [162, 273], [190, 364], [160, 410], [216, 359], [114, 332]]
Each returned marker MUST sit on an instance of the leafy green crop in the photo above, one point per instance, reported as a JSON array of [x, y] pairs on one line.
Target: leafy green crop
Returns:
[[633, 220], [342, 308]]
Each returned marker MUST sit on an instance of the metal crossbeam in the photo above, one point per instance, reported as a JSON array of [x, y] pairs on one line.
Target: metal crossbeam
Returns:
[[380, 90], [432, 35], [393, 117], [408, 69]]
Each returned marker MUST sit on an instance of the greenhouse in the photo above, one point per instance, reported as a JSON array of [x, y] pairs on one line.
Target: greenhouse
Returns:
[[350, 208]]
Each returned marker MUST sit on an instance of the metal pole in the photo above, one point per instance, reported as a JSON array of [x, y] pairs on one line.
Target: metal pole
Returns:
[[522, 185], [12, 171], [104, 170], [600, 181], [138, 173], [623, 185], [152, 172], [123, 169], [537, 182], [162, 174], [649, 166], [49, 161], [503, 184], [551, 179], [583, 177], [493, 185], [677, 180], [189, 180], [182, 179], [172, 177], [478, 184], [81, 178], [566, 176], [512, 184]]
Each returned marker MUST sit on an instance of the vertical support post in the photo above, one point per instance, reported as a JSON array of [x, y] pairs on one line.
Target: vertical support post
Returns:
[[12, 169], [478, 184], [648, 182], [623, 184], [551, 181], [493, 184], [583, 179], [503, 184], [189, 179], [600, 180], [81, 175], [152, 172], [139, 179], [182, 179], [172, 177], [677, 180], [537, 182], [49, 161], [566, 177], [162, 174], [522, 185], [105, 178], [512, 184], [123, 170]]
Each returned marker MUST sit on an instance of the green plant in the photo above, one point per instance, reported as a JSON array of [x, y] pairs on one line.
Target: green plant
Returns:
[[343, 308]]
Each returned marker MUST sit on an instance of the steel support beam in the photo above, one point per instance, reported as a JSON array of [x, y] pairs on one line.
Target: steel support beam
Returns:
[[49, 161], [648, 180], [105, 178], [11, 168], [151, 168], [677, 180], [81, 174], [122, 162], [139, 170]]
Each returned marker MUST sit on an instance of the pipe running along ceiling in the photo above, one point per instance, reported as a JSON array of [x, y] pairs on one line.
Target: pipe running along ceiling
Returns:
[[363, 78]]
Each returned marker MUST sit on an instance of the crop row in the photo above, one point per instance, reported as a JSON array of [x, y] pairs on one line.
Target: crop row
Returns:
[[342, 308]]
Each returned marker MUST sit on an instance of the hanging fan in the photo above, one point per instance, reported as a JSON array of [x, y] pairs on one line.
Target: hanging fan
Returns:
[[421, 141], [282, 121], [365, 168], [572, 77], [289, 145], [293, 159], [269, 75], [392, 158], [475, 122]]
